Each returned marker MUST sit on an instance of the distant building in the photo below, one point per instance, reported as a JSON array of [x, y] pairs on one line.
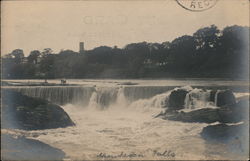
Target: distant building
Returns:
[[81, 47]]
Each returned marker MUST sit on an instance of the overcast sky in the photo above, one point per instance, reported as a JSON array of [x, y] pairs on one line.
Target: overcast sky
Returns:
[[31, 25]]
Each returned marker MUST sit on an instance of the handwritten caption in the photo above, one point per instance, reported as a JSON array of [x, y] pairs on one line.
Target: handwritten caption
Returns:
[[154, 153]]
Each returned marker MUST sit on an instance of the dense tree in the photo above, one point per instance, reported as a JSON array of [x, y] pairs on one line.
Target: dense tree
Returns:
[[206, 38], [18, 55], [209, 52], [46, 52], [182, 51], [33, 57], [234, 44], [47, 66]]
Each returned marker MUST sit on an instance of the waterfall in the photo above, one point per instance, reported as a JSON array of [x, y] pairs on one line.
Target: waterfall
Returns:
[[154, 105], [197, 98], [121, 99], [216, 97], [59, 95], [144, 92], [103, 97], [84, 96], [136, 97]]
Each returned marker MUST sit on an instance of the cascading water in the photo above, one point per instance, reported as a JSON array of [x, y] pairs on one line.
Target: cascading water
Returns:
[[102, 96], [131, 97], [198, 98], [216, 97], [59, 95], [121, 99], [119, 120]]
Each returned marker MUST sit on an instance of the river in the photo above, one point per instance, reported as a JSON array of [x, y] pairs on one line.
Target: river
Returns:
[[115, 120]]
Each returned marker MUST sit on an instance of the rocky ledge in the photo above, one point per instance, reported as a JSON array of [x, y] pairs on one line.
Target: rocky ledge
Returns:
[[230, 118], [21, 148], [23, 112], [224, 132], [231, 113], [229, 110]]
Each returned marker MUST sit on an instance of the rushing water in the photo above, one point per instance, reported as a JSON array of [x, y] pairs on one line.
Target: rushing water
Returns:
[[117, 122]]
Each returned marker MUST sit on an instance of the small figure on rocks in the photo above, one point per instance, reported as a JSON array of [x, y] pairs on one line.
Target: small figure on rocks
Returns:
[[63, 81]]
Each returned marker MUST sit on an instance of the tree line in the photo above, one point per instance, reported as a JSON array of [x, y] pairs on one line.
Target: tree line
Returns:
[[209, 52]]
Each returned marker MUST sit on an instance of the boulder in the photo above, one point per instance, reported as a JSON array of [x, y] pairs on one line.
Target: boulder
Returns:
[[223, 132], [234, 137], [235, 112], [21, 148], [176, 99], [225, 97], [232, 113], [205, 115], [23, 112]]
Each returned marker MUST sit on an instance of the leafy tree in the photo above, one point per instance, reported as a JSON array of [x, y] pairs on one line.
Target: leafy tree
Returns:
[[206, 38], [182, 51], [18, 55], [67, 53], [209, 52], [46, 52], [33, 57], [47, 63]]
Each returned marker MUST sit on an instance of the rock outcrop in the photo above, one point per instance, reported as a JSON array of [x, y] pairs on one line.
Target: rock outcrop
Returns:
[[225, 97], [23, 112], [232, 113], [205, 115], [21, 148], [223, 132], [222, 97], [176, 99], [229, 110], [235, 137]]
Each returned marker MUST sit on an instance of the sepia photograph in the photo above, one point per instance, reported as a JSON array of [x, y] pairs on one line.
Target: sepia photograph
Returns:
[[124, 80]]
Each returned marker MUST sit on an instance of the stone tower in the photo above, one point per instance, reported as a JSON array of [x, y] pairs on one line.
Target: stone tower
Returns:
[[81, 47]]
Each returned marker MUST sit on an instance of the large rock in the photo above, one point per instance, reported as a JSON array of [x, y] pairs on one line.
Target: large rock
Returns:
[[21, 148], [176, 99], [23, 112], [234, 137], [224, 132], [224, 97], [232, 113], [205, 115], [235, 112]]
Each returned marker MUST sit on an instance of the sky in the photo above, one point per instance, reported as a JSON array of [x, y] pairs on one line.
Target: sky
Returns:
[[35, 25]]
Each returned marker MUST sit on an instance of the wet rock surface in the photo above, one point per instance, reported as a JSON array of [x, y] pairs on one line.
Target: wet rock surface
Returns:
[[223, 131], [235, 137], [225, 97], [228, 114], [205, 115], [232, 112], [23, 112], [177, 99], [21, 148]]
